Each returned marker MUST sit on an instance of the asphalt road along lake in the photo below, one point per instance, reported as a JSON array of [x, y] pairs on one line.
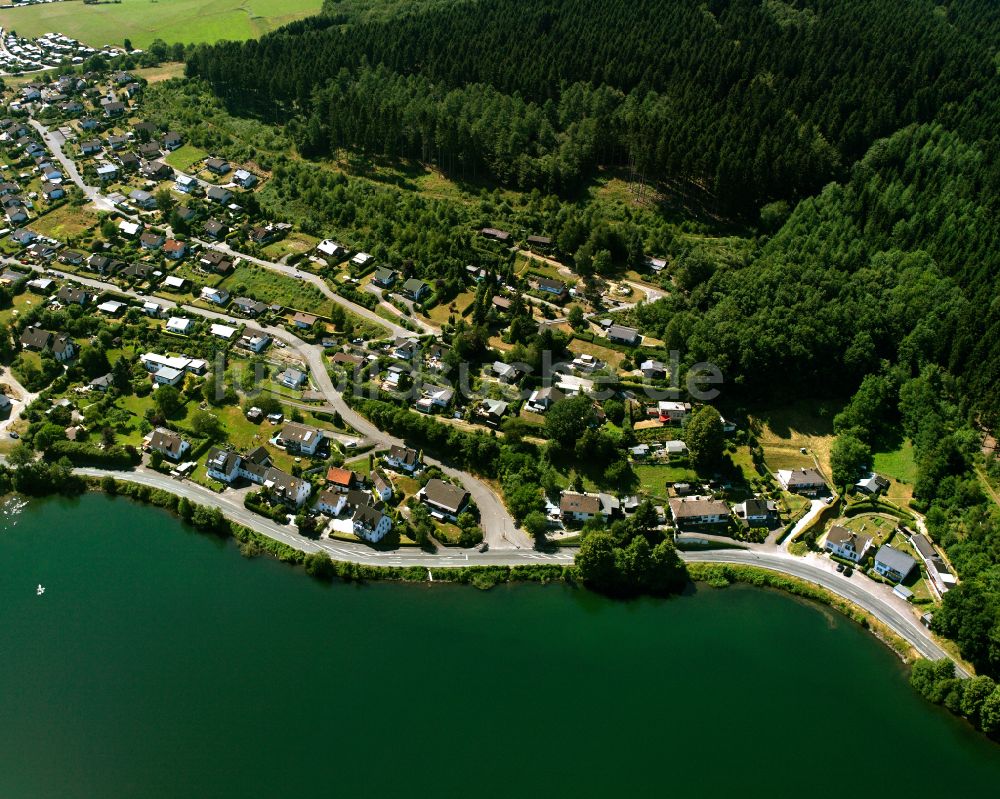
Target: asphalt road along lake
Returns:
[[160, 663]]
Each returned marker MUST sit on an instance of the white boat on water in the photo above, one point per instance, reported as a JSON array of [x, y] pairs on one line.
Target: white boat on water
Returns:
[[40, 590]]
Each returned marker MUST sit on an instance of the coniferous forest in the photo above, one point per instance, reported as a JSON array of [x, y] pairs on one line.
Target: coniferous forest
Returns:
[[858, 139]]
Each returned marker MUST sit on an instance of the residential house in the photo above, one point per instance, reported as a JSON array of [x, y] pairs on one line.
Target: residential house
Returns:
[[292, 378], [215, 261], [495, 234], [507, 372], [847, 544], [219, 195], [129, 229], [698, 511], [579, 507], [143, 199], [620, 334], [300, 438], [403, 459], [254, 340], [285, 487], [893, 564], [341, 480], [102, 383], [381, 486], [42, 285], [362, 259], [539, 242], [214, 295], [248, 307], [106, 172], [180, 325], [73, 295], [53, 191], [172, 140], [90, 146], [492, 411], [757, 512], [542, 399], [156, 170], [371, 524], [224, 465], [113, 109], [801, 481], [174, 283], [303, 321], [214, 229], [185, 183], [331, 503], [225, 332], [167, 443], [414, 289], [217, 166], [129, 161], [59, 344], [23, 236], [174, 249], [445, 500], [873, 484], [112, 307], [151, 241], [330, 249], [384, 277], [672, 410], [244, 179], [168, 376], [501, 303], [554, 287], [153, 308], [71, 257], [654, 370]]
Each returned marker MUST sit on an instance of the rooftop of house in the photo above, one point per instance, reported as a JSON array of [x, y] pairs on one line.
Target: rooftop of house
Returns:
[[579, 503], [445, 495]]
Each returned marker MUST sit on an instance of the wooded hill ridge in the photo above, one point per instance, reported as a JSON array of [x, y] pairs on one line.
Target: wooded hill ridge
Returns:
[[753, 100]]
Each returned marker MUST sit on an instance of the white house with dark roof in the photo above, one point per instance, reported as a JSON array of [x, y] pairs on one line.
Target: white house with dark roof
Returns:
[[167, 443], [801, 481], [371, 524], [402, 459], [847, 544], [300, 438]]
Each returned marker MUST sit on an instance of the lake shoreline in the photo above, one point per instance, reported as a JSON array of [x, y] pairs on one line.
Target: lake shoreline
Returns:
[[253, 543]]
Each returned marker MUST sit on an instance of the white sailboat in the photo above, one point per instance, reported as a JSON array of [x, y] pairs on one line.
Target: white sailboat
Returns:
[[40, 590]]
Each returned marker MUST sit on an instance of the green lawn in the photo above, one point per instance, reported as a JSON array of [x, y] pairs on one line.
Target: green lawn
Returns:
[[142, 21], [653, 478], [183, 157], [878, 528], [898, 464], [22, 304], [293, 244], [66, 222], [269, 286]]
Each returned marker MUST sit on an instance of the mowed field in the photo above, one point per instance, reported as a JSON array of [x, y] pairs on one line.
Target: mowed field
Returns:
[[142, 21]]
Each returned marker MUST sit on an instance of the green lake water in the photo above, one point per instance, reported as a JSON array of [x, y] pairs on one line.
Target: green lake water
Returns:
[[160, 663]]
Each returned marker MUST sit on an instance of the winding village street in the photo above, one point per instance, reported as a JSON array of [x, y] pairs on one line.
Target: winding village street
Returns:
[[507, 545]]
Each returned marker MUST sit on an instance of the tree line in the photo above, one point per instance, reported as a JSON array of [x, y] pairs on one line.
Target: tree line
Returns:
[[753, 100]]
